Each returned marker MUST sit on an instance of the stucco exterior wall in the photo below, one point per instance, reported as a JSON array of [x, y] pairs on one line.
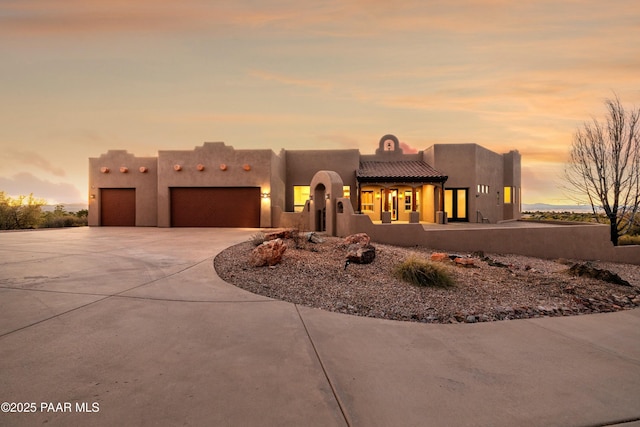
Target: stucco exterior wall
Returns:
[[470, 165], [512, 178], [302, 165], [120, 169], [223, 166]]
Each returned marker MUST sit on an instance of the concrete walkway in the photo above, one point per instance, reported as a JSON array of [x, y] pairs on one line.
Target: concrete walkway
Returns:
[[131, 326]]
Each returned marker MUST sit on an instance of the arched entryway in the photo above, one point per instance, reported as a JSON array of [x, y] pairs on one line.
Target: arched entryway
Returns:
[[326, 187]]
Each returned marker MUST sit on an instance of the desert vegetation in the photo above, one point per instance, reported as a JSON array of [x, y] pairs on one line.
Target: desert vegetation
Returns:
[[631, 237], [25, 212]]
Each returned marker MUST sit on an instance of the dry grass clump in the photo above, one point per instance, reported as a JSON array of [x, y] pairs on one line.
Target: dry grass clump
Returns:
[[258, 238], [421, 272]]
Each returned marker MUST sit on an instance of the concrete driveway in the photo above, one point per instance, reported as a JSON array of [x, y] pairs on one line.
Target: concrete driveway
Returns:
[[131, 326]]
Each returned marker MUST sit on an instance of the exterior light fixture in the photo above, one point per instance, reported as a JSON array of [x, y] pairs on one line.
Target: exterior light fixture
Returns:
[[124, 169], [104, 169], [328, 196], [177, 168], [266, 195], [200, 167], [93, 196]]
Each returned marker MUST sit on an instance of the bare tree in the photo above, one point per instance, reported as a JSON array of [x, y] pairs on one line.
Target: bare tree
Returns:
[[604, 166]]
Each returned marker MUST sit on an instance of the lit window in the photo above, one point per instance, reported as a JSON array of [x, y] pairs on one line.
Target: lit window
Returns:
[[407, 201], [367, 200], [300, 196], [508, 194], [346, 191]]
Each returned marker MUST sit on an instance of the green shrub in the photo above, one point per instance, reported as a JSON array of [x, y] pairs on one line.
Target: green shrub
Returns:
[[421, 272]]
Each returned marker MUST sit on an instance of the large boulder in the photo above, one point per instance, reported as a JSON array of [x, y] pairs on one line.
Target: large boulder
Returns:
[[361, 239], [584, 270], [268, 253], [361, 254], [289, 233]]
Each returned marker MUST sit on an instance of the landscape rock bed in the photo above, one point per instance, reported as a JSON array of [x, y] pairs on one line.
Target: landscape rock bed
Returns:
[[492, 287]]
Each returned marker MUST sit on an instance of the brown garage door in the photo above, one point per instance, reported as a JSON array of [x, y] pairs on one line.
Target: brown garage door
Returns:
[[215, 207], [118, 207]]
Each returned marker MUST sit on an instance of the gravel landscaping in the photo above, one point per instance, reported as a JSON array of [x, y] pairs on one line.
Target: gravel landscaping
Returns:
[[494, 287]]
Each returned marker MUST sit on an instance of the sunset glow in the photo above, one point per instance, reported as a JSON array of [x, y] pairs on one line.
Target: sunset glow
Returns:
[[83, 77]]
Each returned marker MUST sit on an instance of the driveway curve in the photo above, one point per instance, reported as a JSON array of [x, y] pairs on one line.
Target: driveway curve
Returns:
[[131, 326]]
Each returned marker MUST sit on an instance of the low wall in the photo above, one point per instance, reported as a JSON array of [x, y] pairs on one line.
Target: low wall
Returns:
[[584, 242], [588, 242]]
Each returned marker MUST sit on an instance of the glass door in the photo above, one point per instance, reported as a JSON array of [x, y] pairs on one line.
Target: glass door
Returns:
[[455, 204]]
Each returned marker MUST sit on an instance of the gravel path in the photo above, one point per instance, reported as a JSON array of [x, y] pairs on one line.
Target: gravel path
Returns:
[[314, 275]]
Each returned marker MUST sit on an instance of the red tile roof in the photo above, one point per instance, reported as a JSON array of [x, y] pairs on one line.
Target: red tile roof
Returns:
[[409, 171]]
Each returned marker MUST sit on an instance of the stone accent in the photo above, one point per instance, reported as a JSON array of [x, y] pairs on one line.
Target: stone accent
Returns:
[[362, 239], [361, 254], [269, 253]]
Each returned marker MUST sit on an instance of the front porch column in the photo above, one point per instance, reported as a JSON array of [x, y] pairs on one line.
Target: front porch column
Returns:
[[441, 216], [385, 215], [414, 215], [414, 204]]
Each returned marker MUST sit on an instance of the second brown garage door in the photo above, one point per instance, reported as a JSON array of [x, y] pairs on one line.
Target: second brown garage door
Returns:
[[215, 207]]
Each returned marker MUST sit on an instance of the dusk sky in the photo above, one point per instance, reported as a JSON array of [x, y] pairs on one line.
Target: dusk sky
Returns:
[[81, 77]]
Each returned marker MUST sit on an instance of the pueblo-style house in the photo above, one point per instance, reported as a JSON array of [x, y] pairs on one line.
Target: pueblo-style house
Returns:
[[216, 185]]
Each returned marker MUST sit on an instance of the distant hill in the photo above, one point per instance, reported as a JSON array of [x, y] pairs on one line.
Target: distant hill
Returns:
[[71, 207], [543, 207]]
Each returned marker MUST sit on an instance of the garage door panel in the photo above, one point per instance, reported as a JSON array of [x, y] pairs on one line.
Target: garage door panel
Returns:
[[215, 207], [118, 207]]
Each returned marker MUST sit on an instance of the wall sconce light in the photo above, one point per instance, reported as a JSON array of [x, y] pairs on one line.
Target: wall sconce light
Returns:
[[124, 169], [104, 169], [328, 196], [93, 196], [401, 195], [200, 167], [223, 167], [377, 195], [266, 195], [143, 169], [246, 167], [177, 168]]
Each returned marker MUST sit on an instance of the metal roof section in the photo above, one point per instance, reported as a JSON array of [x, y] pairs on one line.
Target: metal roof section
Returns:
[[395, 171]]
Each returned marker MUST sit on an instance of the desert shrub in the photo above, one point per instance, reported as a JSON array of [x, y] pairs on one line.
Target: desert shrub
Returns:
[[19, 213], [421, 272], [59, 221], [257, 239], [629, 240]]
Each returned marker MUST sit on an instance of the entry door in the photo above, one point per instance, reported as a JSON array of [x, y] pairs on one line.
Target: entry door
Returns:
[[392, 198], [393, 202], [455, 204]]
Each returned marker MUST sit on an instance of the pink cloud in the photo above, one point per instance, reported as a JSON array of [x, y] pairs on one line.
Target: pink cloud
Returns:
[[407, 149], [33, 159], [25, 183]]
